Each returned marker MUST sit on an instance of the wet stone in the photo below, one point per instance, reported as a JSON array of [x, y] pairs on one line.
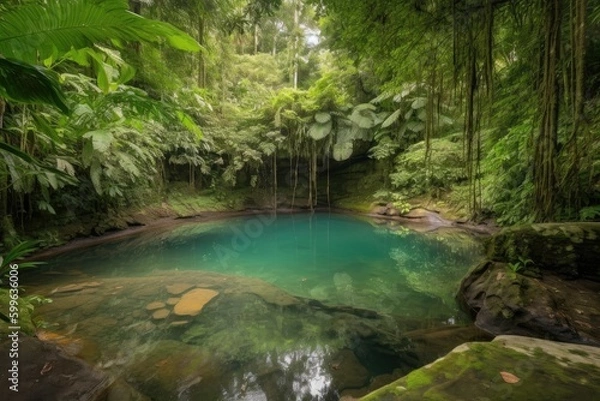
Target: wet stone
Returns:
[[178, 288], [155, 305], [160, 314], [192, 302]]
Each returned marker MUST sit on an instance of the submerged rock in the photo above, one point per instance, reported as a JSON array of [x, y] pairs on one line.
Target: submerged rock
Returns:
[[510, 367], [172, 370], [193, 301], [160, 314], [347, 372], [178, 288], [47, 373], [155, 305]]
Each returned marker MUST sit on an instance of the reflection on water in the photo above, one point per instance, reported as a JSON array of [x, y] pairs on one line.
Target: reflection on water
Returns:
[[358, 289]]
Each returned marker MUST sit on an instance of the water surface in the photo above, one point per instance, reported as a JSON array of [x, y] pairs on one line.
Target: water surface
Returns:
[[309, 306]]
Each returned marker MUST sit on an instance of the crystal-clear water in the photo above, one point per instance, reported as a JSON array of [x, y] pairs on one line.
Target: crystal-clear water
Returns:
[[334, 258], [356, 288]]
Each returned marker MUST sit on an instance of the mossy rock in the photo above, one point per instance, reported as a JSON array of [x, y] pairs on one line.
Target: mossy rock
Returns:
[[540, 369], [569, 249], [504, 302]]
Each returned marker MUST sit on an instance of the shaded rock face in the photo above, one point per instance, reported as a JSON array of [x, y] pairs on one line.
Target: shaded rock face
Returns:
[[50, 374], [569, 249], [503, 302], [508, 368], [510, 295]]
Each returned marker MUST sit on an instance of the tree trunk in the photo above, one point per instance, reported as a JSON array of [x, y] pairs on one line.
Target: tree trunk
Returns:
[[544, 170], [296, 50], [201, 61]]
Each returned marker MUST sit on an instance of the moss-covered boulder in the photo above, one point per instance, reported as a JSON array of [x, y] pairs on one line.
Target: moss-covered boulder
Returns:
[[570, 249], [508, 368], [504, 302]]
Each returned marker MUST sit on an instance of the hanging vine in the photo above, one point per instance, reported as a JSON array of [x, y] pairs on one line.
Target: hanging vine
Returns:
[[473, 39]]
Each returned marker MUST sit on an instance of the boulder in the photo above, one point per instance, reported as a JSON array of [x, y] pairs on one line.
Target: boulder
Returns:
[[508, 368], [47, 373], [504, 302], [569, 249]]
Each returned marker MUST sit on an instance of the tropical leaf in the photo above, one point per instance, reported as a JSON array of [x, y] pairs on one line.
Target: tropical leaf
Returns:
[[101, 140], [342, 151], [16, 152], [419, 103], [26, 83], [415, 126], [41, 30], [364, 118], [391, 119], [189, 123], [322, 118], [95, 176], [319, 131]]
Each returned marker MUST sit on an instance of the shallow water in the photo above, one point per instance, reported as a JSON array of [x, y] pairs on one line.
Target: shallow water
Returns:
[[336, 259], [357, 287]]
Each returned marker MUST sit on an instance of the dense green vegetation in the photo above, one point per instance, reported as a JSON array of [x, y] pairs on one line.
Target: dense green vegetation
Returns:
[[487, 105]]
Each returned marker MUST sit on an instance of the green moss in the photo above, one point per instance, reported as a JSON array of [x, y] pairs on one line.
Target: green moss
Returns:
[[578, 352], [475, 374], [418, 378]]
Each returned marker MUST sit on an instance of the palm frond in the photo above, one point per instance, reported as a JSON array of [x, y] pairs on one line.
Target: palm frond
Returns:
[[27, 83], [36, 30]]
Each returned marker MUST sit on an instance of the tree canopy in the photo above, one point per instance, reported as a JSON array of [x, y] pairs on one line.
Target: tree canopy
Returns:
[[486, 105]]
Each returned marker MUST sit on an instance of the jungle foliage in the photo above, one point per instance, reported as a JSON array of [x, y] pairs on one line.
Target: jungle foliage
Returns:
[[487, 103]]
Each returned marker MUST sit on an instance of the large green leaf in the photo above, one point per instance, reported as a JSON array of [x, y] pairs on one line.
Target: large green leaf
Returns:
[[391, 119], [40, 30], [319, 131], [322, 117], [419, 103], [16, 152], [26, 83], [189, 123], [342, 151], [101, 140]]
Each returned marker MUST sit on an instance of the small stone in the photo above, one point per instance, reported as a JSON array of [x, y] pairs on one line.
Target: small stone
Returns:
[[160, 314], [155, 305], [173, 301], [179, 288], [179, 323]]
